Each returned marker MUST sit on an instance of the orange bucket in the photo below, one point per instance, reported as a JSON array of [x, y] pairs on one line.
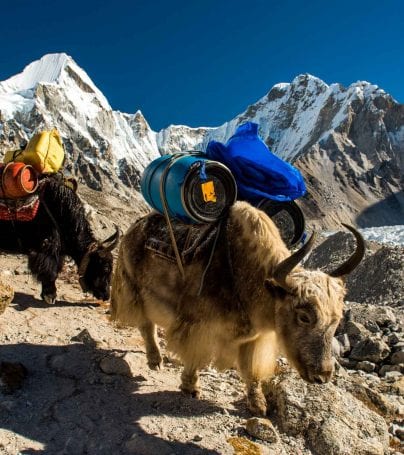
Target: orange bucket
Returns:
[[18, 180]]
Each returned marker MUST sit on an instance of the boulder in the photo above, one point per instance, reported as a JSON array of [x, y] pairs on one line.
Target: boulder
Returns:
[[332, 420], [370, 349]]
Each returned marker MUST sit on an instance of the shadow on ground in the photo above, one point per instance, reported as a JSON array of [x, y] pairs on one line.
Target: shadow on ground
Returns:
[[71, 407], [23, 301]]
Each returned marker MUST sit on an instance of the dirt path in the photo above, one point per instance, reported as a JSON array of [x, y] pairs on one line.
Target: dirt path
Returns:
[[69, 405]]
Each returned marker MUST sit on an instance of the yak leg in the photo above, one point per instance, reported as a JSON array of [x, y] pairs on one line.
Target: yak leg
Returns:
[[148, 331], [46, 265], [190, 381], [249, 369], [48, 294]]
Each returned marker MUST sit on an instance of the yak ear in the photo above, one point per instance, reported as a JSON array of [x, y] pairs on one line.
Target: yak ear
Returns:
[[274, 289], [111, 242]]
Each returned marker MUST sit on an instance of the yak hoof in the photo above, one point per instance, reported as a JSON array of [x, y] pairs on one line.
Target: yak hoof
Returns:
[[257, 406], [49, 299], [155, 365], [195, 393]]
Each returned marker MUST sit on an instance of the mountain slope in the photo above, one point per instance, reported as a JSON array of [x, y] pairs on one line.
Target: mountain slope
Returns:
[[348, 142]]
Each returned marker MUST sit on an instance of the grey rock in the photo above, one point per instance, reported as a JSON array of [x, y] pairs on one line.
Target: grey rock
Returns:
[[393, 339], [392, 376], [369, 367], [370, 349], [345, 345], [356, 332], [262, 429], [397, 357], [387, 368], [348, 363], [115, 365], [332, 420]]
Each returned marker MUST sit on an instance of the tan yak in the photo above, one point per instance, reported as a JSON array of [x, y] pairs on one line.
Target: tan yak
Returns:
[[255, 303]]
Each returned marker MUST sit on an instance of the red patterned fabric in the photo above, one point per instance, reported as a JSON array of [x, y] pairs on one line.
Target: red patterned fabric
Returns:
[[24, 209]]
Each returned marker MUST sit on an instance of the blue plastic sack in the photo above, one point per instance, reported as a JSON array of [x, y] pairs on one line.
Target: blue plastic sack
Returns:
[[258, 172]]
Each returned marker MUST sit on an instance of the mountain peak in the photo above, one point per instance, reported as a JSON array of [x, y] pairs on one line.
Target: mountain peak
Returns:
[[48, 69], [18, 92]]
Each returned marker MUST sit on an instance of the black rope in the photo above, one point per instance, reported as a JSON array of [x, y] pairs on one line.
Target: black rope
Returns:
[[212, 252]]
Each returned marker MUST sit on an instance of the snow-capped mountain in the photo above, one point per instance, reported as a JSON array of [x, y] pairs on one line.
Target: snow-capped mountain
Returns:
[[102, 144], [348, 142]]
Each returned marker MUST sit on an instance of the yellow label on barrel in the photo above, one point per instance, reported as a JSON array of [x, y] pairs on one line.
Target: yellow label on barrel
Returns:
[[208, 191]]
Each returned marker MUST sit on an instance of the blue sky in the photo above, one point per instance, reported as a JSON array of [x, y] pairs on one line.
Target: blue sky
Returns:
[[201, 63]]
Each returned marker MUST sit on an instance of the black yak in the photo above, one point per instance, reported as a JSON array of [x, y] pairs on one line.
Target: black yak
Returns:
[[60, 229]]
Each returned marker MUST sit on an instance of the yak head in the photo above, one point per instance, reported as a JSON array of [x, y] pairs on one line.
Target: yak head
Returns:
[[95, 269], [308, 310]]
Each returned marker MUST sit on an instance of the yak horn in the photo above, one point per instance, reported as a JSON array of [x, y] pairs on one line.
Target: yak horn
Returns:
[[111, 242], [287, 265], [356, 257]]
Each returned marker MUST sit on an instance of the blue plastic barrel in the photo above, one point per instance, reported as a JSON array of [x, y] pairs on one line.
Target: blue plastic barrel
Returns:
[[194, 189]]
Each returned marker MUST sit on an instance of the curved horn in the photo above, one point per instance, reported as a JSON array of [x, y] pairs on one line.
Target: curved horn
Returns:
[[356, 257], [111, 242], [287, 265]]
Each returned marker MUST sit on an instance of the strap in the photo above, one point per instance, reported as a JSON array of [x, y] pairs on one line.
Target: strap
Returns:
[[167, 217]]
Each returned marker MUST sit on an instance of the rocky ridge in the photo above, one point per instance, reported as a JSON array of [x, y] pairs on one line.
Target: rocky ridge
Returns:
[[348, 142]]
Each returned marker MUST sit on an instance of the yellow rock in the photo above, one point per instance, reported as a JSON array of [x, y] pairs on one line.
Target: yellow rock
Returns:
[[6, 296], [243, 446]]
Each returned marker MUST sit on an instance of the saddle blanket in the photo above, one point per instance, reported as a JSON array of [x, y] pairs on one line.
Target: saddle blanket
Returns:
[[23, 209], [193, 241]]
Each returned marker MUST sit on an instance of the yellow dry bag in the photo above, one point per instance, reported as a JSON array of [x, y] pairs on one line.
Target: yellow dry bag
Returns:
[[44, 152]]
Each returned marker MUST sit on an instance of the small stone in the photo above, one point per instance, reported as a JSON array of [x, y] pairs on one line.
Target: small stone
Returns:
[[347, 363], [372, 326], [115, 365], [6, 296], [197, 438], [397, 357], [393, 375], [393, 339], [344, 343], [369, 367], [356, 332], [262, 429], [244, 446], [387, 368]]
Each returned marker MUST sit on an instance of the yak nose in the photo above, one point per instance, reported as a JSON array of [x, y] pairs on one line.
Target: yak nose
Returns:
[[322, 378], [325, 374]]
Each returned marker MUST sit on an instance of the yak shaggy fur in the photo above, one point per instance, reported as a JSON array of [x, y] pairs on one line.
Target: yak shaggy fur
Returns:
[[243, 318], [60, 229]]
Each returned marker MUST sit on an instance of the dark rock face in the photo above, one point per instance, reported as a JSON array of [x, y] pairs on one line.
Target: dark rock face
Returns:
[[378, 279]]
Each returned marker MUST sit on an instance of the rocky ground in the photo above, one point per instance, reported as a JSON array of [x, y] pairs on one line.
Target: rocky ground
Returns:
[[71, 383]]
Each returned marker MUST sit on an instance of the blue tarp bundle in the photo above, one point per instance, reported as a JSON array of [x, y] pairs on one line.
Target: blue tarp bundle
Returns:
[[258, 172]]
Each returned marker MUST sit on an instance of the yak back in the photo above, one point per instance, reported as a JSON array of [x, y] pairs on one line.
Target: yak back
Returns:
[[61, 216], [216, 257]]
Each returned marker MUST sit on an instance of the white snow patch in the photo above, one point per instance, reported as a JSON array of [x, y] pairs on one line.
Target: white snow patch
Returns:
[[385, 234]]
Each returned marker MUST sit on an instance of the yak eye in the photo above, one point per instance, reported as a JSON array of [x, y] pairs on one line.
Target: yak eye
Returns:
[[303, 318]]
